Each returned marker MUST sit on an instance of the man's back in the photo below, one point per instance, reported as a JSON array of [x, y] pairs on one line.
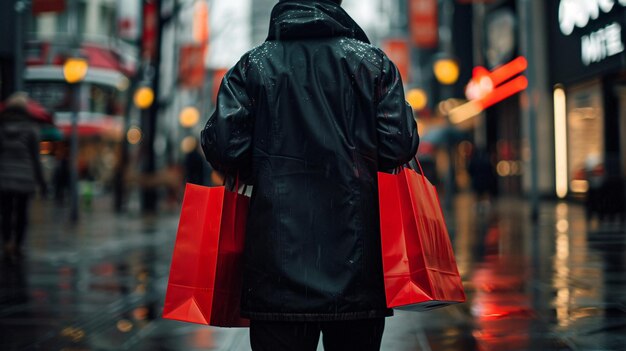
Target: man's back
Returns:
[[308, 118]]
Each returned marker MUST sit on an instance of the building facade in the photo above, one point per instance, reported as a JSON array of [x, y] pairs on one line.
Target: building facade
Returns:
[[565, 133], [518, 132], [588, 74]]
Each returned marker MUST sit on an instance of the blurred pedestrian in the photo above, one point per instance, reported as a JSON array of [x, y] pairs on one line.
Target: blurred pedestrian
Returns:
[[194, 164], [483, 177], [309, 118], [20, 171]]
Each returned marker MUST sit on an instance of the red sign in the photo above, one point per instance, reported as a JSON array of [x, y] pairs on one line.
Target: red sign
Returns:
[[43, 6], [150, 30], [191, 69], [399, 53], [128, 16], [424, 23], [488, 88]]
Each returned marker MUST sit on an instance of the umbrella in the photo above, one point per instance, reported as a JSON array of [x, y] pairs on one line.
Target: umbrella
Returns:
[[444, 135], [51, 133], [38, 112]]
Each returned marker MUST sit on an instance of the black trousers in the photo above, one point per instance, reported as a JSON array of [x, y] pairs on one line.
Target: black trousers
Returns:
[[361, 335], [14, 207]]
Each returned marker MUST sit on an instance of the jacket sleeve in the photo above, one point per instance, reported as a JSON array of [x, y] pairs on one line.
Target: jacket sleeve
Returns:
[[227, 137], [396, 126]]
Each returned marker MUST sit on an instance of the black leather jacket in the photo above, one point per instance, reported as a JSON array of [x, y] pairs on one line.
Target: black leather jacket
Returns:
[[308, 118]]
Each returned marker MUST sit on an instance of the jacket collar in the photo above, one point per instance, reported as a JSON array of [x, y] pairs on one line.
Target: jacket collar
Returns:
[[302, 19]]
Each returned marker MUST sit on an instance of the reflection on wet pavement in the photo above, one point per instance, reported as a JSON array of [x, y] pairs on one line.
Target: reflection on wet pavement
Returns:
[[559, 285]]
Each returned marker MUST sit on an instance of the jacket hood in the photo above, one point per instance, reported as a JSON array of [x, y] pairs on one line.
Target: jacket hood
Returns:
[[302, 19]]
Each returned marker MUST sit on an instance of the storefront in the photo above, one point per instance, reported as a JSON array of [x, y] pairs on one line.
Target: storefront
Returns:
[[503, 120], [102, 97], [588, 73]]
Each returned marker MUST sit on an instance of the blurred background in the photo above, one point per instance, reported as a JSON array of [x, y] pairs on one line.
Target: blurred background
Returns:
[[534, 87], [521, 106]]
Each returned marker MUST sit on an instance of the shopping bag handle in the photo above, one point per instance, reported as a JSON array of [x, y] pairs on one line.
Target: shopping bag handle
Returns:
[[419, 164], [236, 188], [407, 165]]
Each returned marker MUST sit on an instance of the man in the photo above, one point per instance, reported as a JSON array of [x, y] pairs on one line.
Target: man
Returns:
[[308, 118]]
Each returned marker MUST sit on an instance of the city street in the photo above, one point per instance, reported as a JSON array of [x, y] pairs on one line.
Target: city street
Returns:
[[107, 107], [100, 285]]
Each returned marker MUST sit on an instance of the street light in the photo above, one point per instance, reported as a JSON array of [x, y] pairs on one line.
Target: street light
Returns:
[[134, 135], [446, 70], [189, 117], [417, 98], [144, 97], [74, 70]]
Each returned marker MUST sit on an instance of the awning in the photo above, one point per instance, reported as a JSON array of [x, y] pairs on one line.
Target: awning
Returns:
[[110, 127]]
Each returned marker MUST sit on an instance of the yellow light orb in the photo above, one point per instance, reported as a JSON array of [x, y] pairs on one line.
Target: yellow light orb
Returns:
[[144, 97], [75, 69], [123, 84], [188, 144], [446, 71], [417, 98], [134, 135], [124, 325], [189, 117]]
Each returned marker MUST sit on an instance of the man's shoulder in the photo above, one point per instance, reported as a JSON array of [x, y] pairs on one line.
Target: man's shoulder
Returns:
[[367, 53], [261, 50], [357, 44], [349, 44], [364, 52]]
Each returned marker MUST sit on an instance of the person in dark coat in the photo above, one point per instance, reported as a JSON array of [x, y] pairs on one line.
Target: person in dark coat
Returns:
[[308, 119], [20, 171], [483, 175], [194, 165]]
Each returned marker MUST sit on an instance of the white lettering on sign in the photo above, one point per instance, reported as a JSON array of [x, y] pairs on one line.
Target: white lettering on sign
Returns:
[[578, 13], [602, 43]]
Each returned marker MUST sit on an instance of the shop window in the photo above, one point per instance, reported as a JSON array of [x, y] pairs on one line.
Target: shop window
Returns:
[[585, 124], [102, 100], [53, 95], [108, 18]]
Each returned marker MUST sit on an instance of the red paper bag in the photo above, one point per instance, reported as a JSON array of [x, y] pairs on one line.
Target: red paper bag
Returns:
[[206, 273], [419, 268]]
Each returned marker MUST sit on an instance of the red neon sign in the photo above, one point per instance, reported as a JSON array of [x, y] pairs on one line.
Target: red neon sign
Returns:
[[488, 88]]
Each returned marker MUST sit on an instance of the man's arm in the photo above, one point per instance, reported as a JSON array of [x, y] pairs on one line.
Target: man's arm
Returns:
[[227, 137], [397, 129]]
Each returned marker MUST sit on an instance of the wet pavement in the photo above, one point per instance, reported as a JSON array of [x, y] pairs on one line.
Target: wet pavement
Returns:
[[559, 285]]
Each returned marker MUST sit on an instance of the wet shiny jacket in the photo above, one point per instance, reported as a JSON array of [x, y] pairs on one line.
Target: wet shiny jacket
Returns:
[[308, 118]]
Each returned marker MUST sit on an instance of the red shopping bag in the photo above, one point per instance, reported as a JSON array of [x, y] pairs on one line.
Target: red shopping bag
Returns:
[[419, 268], [206, 273]]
